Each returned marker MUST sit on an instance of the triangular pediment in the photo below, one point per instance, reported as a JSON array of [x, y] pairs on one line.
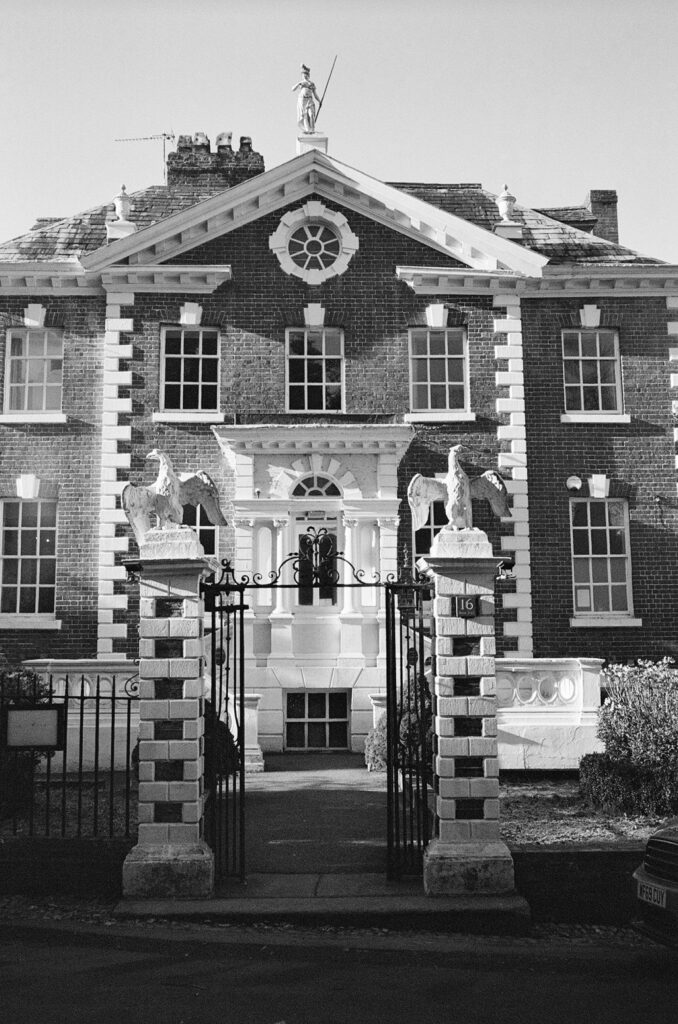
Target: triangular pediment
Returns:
[[318, 174]]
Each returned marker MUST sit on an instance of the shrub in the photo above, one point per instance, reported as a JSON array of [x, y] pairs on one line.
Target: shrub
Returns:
[[638, 723], [375, 747], [17, 768], [409, 735]]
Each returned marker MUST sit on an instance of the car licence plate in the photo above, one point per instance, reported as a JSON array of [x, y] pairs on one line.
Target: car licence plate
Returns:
[[654, 894]]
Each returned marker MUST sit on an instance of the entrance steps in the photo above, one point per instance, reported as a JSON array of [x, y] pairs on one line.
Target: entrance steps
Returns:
[[356, 900]]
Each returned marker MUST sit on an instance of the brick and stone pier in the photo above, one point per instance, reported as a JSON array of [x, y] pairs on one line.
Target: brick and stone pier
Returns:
[[467, 857], [171, 857]]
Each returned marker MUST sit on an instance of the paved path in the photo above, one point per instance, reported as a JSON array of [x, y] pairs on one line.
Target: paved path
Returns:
[[316, 815]]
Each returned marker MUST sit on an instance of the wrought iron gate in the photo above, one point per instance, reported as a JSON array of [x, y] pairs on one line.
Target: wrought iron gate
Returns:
[[225, 729], [319, 567], [410, 668]]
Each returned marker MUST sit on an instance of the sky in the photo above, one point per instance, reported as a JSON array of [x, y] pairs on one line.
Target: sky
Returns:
[[552, 97]]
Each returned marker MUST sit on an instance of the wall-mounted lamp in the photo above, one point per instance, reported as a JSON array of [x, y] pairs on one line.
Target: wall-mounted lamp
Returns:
[[573, 483]]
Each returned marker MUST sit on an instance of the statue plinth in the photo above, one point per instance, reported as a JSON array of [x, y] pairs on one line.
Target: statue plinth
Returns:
[[461, 544], [180, 543], [312, 140]]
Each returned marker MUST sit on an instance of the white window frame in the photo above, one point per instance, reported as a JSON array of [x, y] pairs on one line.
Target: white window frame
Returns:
[[447, 412], [198, 414], [592, 616], [583, 415], [17, 618], [203, 527], [437, 519], [289, 383], [43, 413]]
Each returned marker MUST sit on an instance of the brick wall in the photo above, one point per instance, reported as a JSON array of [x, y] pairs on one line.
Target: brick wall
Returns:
[[638, 458], [68, 455]]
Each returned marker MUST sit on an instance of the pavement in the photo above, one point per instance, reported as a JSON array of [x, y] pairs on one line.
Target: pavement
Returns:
[[316, 858], [192, 973]]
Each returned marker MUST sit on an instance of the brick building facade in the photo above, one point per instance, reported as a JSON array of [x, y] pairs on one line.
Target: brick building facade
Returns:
[[312, 337]]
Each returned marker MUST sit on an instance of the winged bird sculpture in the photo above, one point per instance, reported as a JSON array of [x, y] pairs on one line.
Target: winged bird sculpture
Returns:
[[457, 490], [164, 500]]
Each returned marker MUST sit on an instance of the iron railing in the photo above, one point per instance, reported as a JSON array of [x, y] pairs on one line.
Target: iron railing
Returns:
[[85, 784]]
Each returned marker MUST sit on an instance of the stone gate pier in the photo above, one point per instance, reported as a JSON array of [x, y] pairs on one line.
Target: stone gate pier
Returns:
[[467, 857], [171, 858]]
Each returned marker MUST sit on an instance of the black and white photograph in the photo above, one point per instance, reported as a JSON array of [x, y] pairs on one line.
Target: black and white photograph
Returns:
[[338, 512]]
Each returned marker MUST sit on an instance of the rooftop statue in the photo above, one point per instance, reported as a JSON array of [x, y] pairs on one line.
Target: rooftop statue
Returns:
[[164, 500], [457, 490], [308, 97]]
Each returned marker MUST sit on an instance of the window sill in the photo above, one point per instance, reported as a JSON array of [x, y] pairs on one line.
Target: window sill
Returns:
[[445, 416], [188, 417], [33, 417], [595, 417], [605, 622], [32, 622]]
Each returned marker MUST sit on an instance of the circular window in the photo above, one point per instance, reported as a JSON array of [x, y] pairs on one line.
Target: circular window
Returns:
[[313, 242], [316, 487], [314, 247]]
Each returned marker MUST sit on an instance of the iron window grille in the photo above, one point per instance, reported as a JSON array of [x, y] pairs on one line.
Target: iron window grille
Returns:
[[34, 371], [316, 720], [592, 371], [601, 564], [438, 370], [190, 370], [28, 563], [315, 370]]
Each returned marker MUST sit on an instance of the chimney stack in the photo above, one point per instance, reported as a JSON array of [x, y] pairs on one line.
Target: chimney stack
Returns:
[[194, 163], [603, 205]]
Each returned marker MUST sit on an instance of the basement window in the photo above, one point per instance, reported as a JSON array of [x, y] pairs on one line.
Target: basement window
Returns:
[[316, 720]]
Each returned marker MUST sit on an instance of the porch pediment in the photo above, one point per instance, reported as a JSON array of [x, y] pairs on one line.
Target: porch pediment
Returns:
[[269, 460]]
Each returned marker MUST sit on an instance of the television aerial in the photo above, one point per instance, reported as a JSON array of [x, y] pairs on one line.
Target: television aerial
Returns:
[[165, 136]]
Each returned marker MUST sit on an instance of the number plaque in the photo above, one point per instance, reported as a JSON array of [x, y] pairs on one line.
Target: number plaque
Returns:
[[466, 607]]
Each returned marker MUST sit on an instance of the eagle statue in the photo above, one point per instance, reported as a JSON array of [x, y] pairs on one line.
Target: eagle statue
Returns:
[[164, 500], [457, 490]]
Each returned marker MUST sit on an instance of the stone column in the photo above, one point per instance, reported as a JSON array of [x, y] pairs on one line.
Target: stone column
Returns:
[[171, 858], [350, 616], [467, 856]]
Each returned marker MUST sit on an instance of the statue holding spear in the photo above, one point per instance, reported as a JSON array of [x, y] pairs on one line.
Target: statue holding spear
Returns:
[[307, 114]]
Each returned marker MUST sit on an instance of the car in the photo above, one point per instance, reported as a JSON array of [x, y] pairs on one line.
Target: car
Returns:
[[657, 881]]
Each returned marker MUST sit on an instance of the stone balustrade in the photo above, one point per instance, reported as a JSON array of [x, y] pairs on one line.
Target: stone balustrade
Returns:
[[547, 711]]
